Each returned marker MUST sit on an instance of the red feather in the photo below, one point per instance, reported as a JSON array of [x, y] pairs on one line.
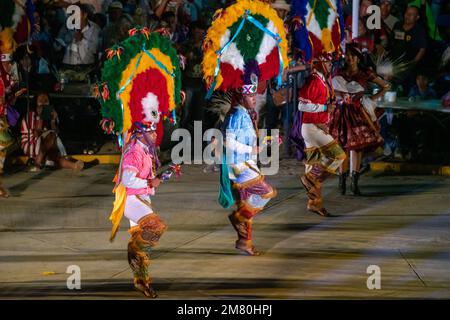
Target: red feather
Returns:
[[105, 92], [271, 67], [132, 32]]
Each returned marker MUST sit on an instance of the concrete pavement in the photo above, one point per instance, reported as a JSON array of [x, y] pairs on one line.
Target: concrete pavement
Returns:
[[401, 225]]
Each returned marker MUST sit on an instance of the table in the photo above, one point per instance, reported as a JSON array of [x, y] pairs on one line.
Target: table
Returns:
[[431, 106], [420, 105], [429, 121]]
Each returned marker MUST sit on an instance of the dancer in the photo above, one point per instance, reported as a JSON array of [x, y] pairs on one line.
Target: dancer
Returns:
[[139, 90], [245, 44], [323, 153], [252, 191], [140, 162], [352, 122]]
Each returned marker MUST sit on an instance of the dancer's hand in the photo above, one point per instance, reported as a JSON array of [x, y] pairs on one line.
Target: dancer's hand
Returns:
[[256, 150], [331, 107], [154, 183]]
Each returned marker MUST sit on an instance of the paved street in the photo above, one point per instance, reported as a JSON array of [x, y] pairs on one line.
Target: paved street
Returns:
[[401, 224]]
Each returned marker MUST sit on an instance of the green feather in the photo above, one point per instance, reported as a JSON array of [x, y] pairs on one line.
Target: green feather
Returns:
[[321, 12], [249, 39], [113, 69]]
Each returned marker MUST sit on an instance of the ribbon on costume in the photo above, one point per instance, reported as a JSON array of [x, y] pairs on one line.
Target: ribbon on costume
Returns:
[[122, 89], [277, 38], [219, 55], [258, 24], [163, 67]]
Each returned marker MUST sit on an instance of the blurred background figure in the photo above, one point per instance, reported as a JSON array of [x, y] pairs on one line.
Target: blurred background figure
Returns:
[[40, 140]]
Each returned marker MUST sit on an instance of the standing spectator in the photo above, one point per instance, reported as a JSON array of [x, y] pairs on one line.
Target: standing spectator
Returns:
[[177, 29], [387, 24], [364, 5], [95, 6], [388, 19], [366, 38], [192, 77], [40, 140], [426, 18], [409, 44], [80, 45], [118, 25]]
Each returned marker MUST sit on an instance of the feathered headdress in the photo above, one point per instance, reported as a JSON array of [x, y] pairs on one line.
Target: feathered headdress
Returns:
[[247, 33], [140, 83], [318, 26]]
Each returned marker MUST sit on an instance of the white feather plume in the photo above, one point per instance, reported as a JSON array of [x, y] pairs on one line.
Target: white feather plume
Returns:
[[267, 44], [150, 106]]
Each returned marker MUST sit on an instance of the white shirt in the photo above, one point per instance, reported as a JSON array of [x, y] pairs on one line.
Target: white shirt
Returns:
[[84, 51]]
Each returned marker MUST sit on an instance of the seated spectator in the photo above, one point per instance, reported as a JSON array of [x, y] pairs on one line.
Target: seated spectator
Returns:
[[80, 45], [40, 140], [422, 89], [118, 25]]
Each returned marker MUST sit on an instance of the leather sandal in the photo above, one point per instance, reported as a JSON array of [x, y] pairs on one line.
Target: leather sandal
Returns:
[[145, 288]]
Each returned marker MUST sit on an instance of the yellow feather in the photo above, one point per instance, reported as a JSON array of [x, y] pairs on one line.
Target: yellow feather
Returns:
[[118, 210], [326, 40], [8, 45]]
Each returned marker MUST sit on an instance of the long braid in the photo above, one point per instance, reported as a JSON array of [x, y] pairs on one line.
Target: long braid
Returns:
[[254, 116]]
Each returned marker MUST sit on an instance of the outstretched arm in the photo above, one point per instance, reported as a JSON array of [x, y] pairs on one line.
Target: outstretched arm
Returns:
[[306, 105]]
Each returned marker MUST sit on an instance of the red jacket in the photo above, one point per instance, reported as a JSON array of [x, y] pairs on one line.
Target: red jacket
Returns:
[[315, 92]]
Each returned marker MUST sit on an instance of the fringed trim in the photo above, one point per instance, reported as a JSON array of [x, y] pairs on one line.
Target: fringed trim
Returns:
[[270, 195], [248, 183], [247, 211]]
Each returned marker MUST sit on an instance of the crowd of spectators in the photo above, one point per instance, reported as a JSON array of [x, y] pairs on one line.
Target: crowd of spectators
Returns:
[[414, 37]]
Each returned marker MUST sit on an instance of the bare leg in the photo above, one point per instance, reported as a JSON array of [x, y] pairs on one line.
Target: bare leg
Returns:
[[53, 153], [47, 146], [343, 168], [356, 160]]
